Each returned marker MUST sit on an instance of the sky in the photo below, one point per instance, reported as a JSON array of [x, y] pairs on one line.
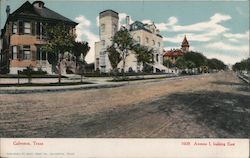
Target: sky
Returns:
[[218, 29]]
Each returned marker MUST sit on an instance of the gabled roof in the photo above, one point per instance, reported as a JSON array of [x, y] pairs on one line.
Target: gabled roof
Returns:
[[28, 9]]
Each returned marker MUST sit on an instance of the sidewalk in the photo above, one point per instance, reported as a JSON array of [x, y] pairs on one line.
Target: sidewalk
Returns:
[[98, 82]]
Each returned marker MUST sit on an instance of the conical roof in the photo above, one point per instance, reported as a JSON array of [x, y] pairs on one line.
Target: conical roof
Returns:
[[185, 42]]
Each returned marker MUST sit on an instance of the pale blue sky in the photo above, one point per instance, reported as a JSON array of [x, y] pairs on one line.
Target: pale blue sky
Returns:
[[216, 28]]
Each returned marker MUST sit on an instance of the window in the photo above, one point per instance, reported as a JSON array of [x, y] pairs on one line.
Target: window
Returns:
[[139, 39], [27, 27], [97, 62], [147, 40], [159, 44], [20, 27], [153, 42], [26, 53], [14, 28], [38, 28], [157, 57], [103, 43], [41, 55], [14, 52], [114, 27], [102, 27]]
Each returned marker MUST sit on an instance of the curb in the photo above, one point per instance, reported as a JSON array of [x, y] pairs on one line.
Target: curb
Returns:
[[58, 89], [243, 78]]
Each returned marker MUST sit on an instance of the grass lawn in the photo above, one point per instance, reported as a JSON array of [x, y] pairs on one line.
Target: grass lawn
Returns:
[[44, 84], [25, 76]]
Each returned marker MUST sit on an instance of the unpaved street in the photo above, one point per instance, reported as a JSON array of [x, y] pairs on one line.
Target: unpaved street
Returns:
[[214, 105]]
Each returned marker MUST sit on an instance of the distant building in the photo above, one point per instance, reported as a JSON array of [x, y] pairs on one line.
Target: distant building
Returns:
[[23, 36], [144, 34], [174, 54]]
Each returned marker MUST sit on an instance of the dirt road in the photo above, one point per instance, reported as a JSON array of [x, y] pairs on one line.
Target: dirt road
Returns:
[[214, 105]]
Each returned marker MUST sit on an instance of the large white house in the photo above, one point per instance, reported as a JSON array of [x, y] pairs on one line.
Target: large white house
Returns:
[[145, 34]]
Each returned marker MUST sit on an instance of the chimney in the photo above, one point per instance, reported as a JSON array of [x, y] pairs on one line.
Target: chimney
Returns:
[[8, 10], [38, 4], [127, 22]]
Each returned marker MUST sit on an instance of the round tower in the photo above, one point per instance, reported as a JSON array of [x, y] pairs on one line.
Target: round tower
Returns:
[[108, 25], [185, 45]]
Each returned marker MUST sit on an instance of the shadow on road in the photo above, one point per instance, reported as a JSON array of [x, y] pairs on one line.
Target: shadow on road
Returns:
[[228, 83], [240, 86], [226, 113]]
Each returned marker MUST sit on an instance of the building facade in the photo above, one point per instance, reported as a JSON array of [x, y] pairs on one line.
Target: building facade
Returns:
[[173, 54], [24, 35], [145, 34]]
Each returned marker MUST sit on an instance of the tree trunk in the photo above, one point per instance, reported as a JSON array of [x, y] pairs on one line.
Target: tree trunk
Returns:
[[59, 72], [123, 64], [59, 68]]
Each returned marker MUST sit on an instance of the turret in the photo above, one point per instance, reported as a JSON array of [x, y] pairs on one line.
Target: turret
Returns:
[[185, 45], [108, 22]]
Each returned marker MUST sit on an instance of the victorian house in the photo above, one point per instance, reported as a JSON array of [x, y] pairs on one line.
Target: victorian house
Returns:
[[145, 34], [23, 36], [173, 54]]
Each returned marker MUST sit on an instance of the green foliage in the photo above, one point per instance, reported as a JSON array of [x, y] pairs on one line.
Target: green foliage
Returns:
[[243, 65], [123, 42], [215, 64], [190, 64], [181, 63], [59, 39], [143, 54], [167, 63], [114, 56], [80, 48], [196, 60]]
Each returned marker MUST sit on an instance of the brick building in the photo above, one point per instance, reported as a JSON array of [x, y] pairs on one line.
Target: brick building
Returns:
[[23, 36]]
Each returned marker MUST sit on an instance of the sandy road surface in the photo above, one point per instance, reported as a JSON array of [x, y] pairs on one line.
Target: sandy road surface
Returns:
[[215, 105]]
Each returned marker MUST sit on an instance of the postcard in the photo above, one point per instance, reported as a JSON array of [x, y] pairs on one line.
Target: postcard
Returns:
[[134, 79]]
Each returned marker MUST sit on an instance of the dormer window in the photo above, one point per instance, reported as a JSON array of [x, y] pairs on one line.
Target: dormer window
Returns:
[[38, 4]]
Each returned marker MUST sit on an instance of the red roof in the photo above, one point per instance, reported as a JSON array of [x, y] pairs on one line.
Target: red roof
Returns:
[[174, 53]]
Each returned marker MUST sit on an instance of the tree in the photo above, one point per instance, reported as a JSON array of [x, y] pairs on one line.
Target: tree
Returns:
[[181, 63], [123, 42], [242, 65], [216, 64], [143, 54], [114, 57], [197, 58], [59, 40], [167, 63], [80, 49]]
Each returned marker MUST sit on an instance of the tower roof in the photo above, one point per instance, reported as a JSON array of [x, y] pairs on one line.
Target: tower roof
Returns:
[[109, 12], [185, 42]]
